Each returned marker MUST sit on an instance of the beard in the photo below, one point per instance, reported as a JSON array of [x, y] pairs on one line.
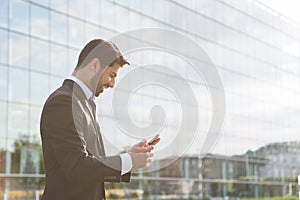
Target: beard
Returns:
[[96, 84]]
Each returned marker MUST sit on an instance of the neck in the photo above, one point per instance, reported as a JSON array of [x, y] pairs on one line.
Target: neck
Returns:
[[83, 78]]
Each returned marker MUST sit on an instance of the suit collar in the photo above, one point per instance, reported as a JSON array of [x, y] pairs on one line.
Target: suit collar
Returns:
[[75, 88], [88, 93]]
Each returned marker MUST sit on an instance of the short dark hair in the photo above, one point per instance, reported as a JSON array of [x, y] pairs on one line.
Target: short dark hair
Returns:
[[106, 51]]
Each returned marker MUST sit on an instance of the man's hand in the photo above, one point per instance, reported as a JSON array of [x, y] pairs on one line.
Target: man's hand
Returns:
[[140, 154]]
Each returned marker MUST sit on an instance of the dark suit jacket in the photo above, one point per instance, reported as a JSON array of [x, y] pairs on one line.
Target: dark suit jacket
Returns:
[[74, 157]]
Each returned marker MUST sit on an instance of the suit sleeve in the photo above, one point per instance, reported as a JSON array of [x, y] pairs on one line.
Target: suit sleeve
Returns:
[[62, 134]]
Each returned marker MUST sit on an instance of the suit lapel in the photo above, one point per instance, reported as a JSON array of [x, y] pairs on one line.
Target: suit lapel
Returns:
[[92, 134]]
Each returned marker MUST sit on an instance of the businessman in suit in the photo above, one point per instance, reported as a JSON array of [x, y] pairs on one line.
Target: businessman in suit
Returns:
[[74, 155]]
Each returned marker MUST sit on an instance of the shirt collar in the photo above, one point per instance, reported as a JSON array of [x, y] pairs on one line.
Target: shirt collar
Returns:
[[88, 93]]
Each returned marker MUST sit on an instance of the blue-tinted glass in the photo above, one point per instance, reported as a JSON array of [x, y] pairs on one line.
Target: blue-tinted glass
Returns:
[[55, 82], [39, 53], [3, 46], [34, 123], [39, 22], [17, 120], [60, 5], [41, 2], [72, 59], [91, 32], [76, 33], [3, 120], [4, 13], [19, 16], [107, 14], [19, 50], [92, 11], [39, 88], [18, 85], [58, 56], [3, 82], [76, 8], [58, 29]]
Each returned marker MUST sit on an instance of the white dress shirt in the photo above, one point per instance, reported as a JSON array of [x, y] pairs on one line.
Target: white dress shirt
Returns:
[[125, 157]]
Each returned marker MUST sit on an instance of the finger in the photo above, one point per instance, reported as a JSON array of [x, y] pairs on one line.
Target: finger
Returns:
[[143, 149], [155, 141], [141, 143]]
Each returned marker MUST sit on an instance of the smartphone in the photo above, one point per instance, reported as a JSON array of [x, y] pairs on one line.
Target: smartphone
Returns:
[[151, 142]]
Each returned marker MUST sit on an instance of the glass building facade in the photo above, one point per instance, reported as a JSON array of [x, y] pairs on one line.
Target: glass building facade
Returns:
[[255, 50]]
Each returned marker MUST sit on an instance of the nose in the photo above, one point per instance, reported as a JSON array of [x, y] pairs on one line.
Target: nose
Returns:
[[112, 83]]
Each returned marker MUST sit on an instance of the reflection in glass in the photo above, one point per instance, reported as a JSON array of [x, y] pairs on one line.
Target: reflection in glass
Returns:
[[76, 33], [4, 13], [17, 120], [60, 5], [39, 22], [3, 83], [58, 60], [19, 16], [3, 46], [38, 92], [39, 55], [18, 85], [3, 121], [19, 50], [58, 28], [34, 122]]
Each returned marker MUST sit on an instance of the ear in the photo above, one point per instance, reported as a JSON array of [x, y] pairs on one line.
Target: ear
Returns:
[[96, 64]]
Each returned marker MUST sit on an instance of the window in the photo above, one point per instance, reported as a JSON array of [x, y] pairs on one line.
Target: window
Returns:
[[19, 50], [18, 85], [3, 46], [39, 88], [19, 16], [58, 56], [39, 22], [58, 28], [39, 55], [3, 83], [4, 13]]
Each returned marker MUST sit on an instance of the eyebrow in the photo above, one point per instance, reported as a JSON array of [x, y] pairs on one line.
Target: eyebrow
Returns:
[[114, 74]]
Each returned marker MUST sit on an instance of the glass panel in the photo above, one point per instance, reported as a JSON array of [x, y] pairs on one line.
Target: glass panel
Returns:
[[58, 62], [18, 85], [39, 55], [60, 5], [3, 46], [19, 50], [72, 59], [17, 120], [34, 123], [3, 82], [55, 83], [39, 88], [41, 2], [107, 14], [92, 11], [19, 16], [76, 33], [3, 120], [76, 8], [91, 32], [58, 28], [39, 22], [4, 13]]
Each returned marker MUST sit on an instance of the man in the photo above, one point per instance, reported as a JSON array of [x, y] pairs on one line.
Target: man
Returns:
[[74, 156]]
